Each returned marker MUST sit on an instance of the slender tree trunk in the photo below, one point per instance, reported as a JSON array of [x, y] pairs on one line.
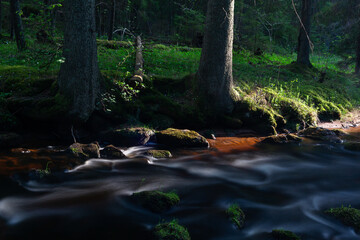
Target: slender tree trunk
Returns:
[[18, 26], [303, 56], [215, 78], [79, 77], [357, 67], [0, 17], [111, 20]]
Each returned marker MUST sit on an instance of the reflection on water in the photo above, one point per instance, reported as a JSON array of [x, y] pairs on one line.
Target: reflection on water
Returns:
[[283, 187]]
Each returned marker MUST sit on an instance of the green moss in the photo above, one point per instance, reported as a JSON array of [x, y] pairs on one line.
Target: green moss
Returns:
[[171, 231], [347, 215], [156, 201], [236, 215], [113, 44], [159, 153], [279, 234], [282, 139], [24, 81], [181, 138]]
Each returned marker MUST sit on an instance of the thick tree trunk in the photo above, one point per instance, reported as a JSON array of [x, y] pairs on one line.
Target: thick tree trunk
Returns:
[[357, 67], [17, 24], [303, 55], [79, 77], [215, 79], [111, 20]]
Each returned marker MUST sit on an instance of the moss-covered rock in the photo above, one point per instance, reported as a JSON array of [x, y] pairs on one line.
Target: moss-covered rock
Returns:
[[352, 146], [170, 231], [156, 201], [181, 138], [24, 81], [347, 215], [84, 151], [159, 153], [279, 234], [321, 134], [112, 152], [9, 140], [129, 136], [236, 215], [282, 139]]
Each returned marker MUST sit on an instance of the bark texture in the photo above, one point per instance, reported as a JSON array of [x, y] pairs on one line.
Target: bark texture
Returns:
[[111, 20], [0, 17], [17, 24], [215, 78], [79, 77], [303, 56], [357, 67]]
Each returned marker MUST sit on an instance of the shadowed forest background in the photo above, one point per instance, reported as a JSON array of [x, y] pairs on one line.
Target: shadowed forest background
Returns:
[[97, 99]]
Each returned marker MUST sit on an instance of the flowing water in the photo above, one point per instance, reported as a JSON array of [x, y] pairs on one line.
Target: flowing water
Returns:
[[286, 187]]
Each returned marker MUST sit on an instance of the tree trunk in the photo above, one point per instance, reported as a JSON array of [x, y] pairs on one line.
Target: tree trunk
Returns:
[[215, 79], [0, 17], [111, 20], [17, 24], [303, 56], [79, 77], [357, 67]]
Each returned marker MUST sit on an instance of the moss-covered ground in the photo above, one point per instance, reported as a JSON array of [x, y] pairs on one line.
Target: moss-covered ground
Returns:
[[275, 93]]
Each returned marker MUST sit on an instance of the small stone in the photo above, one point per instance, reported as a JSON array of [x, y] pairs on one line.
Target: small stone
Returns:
[[282, 139], [156, 201], [159, 153], [84, 151], [181, 138], [112, 152], [279, 234]]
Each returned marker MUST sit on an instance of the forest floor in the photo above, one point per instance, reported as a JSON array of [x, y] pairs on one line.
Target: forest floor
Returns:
[[275, 93]]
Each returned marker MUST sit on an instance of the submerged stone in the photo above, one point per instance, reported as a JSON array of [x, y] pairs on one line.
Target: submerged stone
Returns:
[[84, 151], [347, 215], [156, 201], [236, 215], [159, 153], [352, 146], [112, 152], [279, 234], [282, 139], [181, 138], [171, 231]]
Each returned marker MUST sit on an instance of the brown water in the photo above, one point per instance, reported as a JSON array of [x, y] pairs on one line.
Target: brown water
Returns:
[[285, 187]]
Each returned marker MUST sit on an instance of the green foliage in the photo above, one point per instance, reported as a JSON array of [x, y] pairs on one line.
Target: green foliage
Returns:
[[347, 215], [236, 215], [44, 172], [171, 231], [279, 234]]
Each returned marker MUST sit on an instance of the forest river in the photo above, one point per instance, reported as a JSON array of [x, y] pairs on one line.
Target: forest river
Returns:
[[283, 187]]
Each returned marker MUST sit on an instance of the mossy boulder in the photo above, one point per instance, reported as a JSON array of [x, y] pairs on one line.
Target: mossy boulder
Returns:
[[170, 231], [281, 139], [112, 152], [321, 134], [84, 151], [129, 136], [156, 201], [9, 140], [236, 215], [181, 138], [159, 153], [347, 215], [352, 146], [279, 234]]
